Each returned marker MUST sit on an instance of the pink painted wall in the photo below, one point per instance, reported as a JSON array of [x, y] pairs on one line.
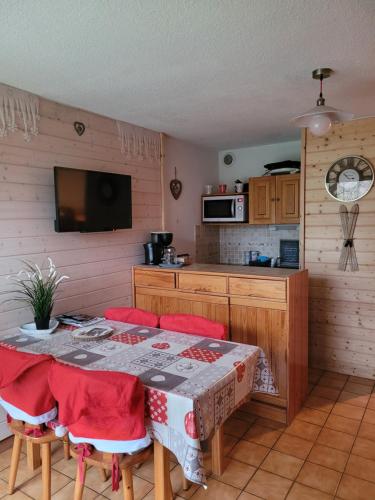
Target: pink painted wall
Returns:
[[196, 166]]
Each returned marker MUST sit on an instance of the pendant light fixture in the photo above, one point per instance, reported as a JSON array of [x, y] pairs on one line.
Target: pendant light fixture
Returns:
[[320, 118]]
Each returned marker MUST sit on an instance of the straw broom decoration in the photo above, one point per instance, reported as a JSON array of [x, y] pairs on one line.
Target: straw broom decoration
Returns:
[[348, 223]]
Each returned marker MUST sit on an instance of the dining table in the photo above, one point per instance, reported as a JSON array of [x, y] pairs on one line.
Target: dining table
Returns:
[[193, 384]]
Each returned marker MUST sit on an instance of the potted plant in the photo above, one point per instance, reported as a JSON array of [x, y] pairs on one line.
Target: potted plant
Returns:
[[37, 290]]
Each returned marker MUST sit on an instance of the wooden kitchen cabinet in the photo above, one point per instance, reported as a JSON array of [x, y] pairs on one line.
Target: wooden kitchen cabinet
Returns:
[[274, 199], [261, 306]]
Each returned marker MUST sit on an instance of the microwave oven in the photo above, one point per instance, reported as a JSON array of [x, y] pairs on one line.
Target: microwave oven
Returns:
[[225, 208]]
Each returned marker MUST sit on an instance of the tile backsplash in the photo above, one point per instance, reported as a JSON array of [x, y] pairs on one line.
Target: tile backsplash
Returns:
[[230, 244]]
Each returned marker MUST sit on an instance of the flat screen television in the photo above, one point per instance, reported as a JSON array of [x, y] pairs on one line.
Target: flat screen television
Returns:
[[90, 201]]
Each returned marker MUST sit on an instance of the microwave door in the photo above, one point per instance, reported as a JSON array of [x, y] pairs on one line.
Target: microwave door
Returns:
[[219, 210]]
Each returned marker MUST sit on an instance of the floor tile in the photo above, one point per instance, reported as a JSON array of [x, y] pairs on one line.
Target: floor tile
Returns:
[[328, 457], [319, 403], [243, 415], [236, 427], [217, 490], [301, 492], [229, 443], [358, 388], [326, 392], [5, 458], [348, 411], [293, 445], [282, 464], [66, 493], [313, 416], [371, 402], [67, 467], [18, 495], [268, 486], [333, 382], [247, 496], [342, 424], [364, 448], [361, 467], [250, 453], [319, 477], [176, 480], [95, 482], [303, 430], [369, 416], [362, 381], [272, 424], [315, 374], [141, 488], [367, 431], [33, 487], [352, 488], [236, 474], [350, 398], [335, 439], [262, 435], [146, 471]]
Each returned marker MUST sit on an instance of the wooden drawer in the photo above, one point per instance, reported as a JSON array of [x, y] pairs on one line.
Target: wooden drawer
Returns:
[[202, 283], [252, 287], [160, 279]]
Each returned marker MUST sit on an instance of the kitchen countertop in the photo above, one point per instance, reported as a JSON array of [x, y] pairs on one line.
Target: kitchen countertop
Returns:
[[239, 270]]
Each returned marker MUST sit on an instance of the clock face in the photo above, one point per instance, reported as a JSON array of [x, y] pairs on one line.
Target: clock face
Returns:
[[350, 178]]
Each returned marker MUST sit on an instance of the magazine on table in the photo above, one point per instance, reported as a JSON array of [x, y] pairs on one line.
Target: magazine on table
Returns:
[[79, 319]]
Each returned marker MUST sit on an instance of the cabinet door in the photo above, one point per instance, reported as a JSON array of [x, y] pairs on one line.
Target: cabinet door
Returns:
[[287, 199], [170, 302], [267, 329], [261, 200]]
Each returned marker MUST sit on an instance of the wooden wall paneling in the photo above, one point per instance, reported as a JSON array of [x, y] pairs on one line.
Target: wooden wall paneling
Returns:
[[342, 304], [99, 264]]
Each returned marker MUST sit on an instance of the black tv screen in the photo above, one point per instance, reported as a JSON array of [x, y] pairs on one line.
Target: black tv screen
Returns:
[[89, 201]]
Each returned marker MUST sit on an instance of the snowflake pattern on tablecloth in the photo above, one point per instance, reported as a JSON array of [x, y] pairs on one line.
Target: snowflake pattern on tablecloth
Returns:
[[224, 402]]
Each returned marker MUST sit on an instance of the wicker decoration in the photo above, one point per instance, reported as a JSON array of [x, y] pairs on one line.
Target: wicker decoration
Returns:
[[348, 223]]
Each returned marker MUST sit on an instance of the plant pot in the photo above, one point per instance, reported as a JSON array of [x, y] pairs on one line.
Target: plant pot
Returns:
[[42, 323]]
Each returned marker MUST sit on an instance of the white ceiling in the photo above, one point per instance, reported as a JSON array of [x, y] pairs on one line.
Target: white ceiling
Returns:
[[222, 73]]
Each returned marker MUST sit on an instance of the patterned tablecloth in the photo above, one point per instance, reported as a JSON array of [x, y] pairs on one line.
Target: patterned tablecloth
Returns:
[[193, 384]]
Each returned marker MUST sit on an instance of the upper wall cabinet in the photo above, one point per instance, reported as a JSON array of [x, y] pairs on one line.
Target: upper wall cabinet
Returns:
[[274, 199]]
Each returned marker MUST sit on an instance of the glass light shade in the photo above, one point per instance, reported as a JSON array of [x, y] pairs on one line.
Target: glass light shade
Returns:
[[334, 116], [320, 124]]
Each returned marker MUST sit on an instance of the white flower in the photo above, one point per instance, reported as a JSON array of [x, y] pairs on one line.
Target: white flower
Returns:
[[61, 279]]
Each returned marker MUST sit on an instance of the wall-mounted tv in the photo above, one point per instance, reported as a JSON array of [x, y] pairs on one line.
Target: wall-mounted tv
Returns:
[[90, 201]]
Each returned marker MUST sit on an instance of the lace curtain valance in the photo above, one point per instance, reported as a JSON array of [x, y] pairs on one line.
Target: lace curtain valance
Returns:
[[19, 110]]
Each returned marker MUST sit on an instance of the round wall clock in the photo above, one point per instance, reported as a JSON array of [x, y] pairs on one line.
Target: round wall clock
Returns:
[[349, 178]]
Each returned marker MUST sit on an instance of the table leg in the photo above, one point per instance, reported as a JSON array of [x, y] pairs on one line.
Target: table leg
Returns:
[[218, 466], [33, 455], [161, 472]]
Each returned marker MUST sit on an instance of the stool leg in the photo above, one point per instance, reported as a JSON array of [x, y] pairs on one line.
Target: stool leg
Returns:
[[185, 482], [103, 473], [79, 487], [46, 470], [17, 445], [127, 479], [66, 448]]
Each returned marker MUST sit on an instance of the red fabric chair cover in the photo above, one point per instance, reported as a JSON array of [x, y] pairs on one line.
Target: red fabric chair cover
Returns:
[[132, 315], [99, 404], [24, 381], [195, 325]]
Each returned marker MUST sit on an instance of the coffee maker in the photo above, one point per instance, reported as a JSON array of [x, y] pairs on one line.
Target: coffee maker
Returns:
[[159, 250]]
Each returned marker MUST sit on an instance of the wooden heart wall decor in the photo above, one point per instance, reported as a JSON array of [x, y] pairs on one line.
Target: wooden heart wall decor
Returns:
[[175, 186], [80, 128]]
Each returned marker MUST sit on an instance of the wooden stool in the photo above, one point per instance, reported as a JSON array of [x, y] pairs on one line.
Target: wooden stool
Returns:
[[20, 430], [104, 462]]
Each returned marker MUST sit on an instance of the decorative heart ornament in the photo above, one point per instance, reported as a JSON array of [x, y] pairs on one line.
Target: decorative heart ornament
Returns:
[[175, 186], [79, 127]]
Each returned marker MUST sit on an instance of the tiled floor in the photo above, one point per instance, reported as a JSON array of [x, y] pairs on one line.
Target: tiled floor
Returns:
[[328, 452]]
